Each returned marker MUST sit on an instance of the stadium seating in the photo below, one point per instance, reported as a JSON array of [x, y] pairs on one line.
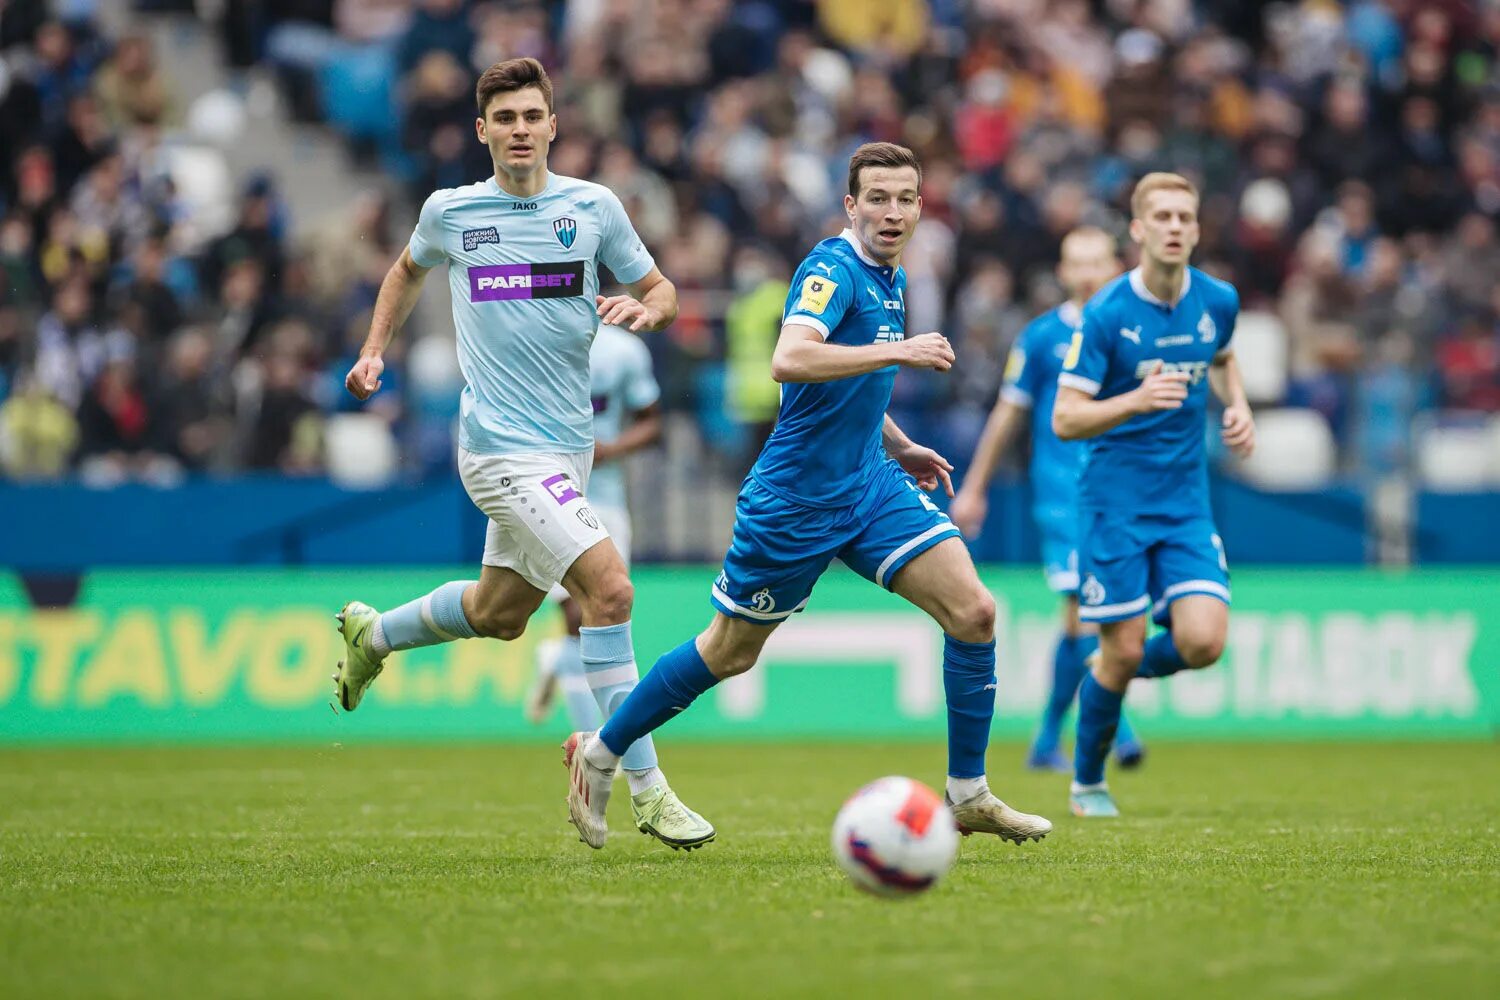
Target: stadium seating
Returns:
[[1294, 450]]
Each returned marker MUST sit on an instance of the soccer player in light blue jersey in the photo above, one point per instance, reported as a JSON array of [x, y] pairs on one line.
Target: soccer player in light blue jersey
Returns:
[[627, 418], [523, 249], [1135, 385], [1087, 261], [837, 479]]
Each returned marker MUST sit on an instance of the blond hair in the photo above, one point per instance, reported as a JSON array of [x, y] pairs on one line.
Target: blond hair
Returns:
[[1084, 233], [1158, 181]]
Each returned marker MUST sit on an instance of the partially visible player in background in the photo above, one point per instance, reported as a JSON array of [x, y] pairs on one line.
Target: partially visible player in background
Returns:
[[1135, 384], [837, 479], [627, 418], [523, 248], [1088, 260]]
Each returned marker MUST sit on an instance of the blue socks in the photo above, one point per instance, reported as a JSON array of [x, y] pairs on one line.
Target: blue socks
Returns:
[[673, 684], [427, 621], [609, 667], [1067, 672], [583, 712], [1160, 658], [969, 683], [1098, 717]]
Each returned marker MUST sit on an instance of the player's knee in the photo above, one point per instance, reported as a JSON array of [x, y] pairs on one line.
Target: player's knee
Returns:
[[501, 623], [1199, 650], [611, 602], [1124, 652], [974, 619]]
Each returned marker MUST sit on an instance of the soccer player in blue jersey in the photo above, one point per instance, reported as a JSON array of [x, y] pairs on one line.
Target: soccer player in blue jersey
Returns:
[[837, 479], [1135, 385], [627, 418], [523, 249], [1087, 261]]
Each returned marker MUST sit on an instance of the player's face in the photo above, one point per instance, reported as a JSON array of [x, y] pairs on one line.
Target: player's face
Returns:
[[518, 129], [1087, 265], [886, 211], [1167, 229]]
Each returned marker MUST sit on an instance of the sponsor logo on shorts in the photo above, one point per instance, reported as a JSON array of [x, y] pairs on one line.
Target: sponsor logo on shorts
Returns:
[[474, 237], [503, 282], [561, 488], [1092, 591], [586, 515], [762, 601]]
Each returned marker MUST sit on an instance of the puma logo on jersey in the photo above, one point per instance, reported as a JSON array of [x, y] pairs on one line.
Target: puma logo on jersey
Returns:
[[1134, 336], [825, 268]]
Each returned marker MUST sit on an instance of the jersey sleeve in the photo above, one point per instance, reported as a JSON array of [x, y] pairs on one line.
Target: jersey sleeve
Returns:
[[620, 246], [1229, 316], [426, 244], [641, 389], [821, 295], [1087, 361], [1021, 372]]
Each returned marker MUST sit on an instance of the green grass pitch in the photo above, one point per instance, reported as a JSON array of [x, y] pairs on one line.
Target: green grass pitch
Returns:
[[449, 871]]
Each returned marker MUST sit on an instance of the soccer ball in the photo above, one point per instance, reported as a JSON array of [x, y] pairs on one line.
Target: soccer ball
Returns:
[[895, 837]]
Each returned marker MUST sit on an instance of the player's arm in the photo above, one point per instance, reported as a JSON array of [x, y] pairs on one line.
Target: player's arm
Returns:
[[399, 292], [1239, 423], [650, 306], [1077, 414], [644, 430], [925, 465], [802, 355], [971, 504]]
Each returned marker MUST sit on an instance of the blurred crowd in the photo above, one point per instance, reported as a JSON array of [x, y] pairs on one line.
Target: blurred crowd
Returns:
[[1349, 155]]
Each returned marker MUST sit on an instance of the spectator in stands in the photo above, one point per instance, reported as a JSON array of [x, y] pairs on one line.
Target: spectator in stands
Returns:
[[192, 405], [131, 87], [38, 432]]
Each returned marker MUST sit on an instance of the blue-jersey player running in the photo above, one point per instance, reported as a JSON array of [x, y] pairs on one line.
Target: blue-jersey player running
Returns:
[[1135, 385], [837, 479], [523, 249], [1087, 261]]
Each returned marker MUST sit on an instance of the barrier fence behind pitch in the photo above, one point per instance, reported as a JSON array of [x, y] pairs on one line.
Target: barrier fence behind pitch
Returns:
[[214, 655]]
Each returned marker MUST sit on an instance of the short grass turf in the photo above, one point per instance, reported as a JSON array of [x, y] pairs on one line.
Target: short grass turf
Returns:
[[1264, 871]]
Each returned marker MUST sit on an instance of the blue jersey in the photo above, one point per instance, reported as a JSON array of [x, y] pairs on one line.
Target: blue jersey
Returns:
[[827, 443], [1031, 381], [523, 273], [621, 383], [1153, 463]]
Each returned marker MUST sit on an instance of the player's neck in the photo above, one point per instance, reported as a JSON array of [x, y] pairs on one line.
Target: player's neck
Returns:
[[890, 262], [524, 186], [1163, 280]]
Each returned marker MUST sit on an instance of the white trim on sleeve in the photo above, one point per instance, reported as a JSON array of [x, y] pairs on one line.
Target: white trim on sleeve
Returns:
[[802, 319], [1078, 382], [1016, 395]]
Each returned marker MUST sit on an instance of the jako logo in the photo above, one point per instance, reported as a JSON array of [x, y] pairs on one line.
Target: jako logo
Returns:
[[523, 206]]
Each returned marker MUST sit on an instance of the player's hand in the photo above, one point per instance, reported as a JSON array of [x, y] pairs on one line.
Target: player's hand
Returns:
[[927, 350], [968, 511], [1161, 390], [927, 467], [1239, 430], [605, 451], [364, 378], [622, 310]]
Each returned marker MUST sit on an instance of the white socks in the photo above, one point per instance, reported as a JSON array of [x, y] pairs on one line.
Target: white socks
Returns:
[[639, 781], [963, 789]]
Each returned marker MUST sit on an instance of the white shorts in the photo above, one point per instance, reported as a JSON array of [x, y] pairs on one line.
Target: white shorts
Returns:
[[616, 521], [540, 521]]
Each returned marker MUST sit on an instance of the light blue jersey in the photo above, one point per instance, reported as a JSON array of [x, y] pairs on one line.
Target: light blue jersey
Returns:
[[1031, 382], [827, 443], [621, 383], [1155, 462], [524, 273]]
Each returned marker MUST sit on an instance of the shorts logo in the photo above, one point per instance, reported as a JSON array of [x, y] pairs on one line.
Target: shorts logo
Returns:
[[503, 282], [586, 515], [561, 488], [566, 231], [762, 601], [1092, 591], [474, 237]]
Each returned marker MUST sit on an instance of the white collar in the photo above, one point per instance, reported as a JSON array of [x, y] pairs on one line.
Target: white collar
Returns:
[[1138, 285], [1069, 313], [848, 234]]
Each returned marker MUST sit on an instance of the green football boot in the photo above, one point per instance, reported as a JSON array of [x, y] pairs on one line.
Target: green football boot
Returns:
[[660, 813], [359, 666]]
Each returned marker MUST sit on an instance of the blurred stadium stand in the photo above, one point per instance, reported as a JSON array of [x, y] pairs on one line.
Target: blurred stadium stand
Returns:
[[197, 203]]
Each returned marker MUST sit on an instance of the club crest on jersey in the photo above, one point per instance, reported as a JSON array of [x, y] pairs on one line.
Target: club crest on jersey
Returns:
[[474, 237], [1207, 332], [566, 231]]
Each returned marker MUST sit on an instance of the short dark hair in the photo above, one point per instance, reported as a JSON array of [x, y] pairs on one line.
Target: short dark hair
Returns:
[[880, 154], [510, 75]]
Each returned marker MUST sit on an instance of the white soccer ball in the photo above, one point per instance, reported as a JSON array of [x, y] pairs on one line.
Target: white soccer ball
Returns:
[[895, 837]]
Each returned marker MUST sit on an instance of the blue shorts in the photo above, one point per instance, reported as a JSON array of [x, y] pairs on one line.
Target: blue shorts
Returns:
[[1135, 563], [781, 547], [1058, 525]]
